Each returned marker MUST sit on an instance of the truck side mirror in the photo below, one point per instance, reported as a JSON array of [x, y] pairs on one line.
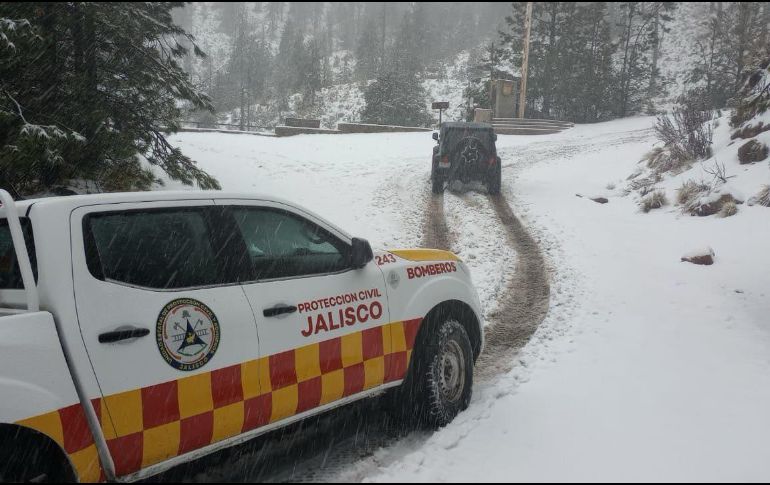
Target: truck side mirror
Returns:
[[361, 253], [435, 136]]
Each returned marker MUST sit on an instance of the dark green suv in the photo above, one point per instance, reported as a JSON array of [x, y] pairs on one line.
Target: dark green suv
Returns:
[[465, 152]]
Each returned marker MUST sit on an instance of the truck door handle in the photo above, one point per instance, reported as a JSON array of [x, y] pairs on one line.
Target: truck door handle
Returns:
[[122, 334], [278, 310]]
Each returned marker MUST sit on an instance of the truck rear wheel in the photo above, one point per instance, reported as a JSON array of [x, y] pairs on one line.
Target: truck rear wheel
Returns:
[[437, 183], [495, 181], [27, 456]]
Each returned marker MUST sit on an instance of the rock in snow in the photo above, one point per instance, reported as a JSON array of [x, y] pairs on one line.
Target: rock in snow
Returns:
[[752, 151], [704, 256]]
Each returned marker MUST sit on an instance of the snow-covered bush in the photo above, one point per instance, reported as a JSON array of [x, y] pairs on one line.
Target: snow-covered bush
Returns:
[[691, 191], [642, 185], [686, 134], [752, 151], [750, 131], [762, 198], [729, 208], [655, 200]]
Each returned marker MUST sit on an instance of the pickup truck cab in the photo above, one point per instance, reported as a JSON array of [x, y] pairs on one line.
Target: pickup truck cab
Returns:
[[139, 331]]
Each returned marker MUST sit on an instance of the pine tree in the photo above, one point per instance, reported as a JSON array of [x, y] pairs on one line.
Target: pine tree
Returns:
[[274, 14], [396, 98], [710, 71], [637, 41], [731, 40], [570, 59], [90, 90], [597, 75], [367, 52], [310, 73]]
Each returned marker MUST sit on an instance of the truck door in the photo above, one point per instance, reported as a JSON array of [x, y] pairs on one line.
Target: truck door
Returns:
[[322, 325], [168, 329]]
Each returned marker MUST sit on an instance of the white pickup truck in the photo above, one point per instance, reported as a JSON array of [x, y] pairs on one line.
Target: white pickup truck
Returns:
[[139, 331]]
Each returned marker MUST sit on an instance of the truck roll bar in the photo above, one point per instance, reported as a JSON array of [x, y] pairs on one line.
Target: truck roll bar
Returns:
[[20, 246]]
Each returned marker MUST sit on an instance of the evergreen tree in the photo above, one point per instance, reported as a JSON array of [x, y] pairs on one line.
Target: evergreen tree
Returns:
[[397, 95], [637, 41], [542, 51], [247, 70], [731, 39], [87, 89], [570, 59], [274, 14], [596, 80], [396, 98], [710, 70], [310, 73], [284, 74], [367, 52]]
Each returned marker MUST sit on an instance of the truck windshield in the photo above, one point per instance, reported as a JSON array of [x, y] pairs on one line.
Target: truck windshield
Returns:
[[10, 274]]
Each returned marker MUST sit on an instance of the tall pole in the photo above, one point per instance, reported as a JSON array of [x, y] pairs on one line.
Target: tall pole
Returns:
[[525, 62]]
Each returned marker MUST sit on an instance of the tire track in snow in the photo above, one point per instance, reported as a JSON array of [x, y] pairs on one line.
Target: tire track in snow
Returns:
[[525, 303], [483, 244], [435, 233], [508, 268]]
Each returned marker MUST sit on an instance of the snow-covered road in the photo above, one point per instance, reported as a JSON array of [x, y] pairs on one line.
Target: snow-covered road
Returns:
[[645, 368]]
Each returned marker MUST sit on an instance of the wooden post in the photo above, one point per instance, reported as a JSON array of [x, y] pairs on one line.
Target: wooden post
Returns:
[[525, 62]]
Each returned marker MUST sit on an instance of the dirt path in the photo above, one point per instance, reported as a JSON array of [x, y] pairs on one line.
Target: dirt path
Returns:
[[435, 233], [525, 301]]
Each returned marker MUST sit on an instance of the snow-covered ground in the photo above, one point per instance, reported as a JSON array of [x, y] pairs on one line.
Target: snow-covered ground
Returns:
[[646, 368]]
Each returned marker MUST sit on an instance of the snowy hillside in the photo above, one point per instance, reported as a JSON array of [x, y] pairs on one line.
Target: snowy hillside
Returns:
[[345, 102], [722, 174]]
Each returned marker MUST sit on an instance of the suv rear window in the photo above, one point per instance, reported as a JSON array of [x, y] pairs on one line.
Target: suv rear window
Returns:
[[159, 249], [10, 274]]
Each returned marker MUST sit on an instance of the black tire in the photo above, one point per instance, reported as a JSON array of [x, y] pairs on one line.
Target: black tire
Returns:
[[27, 458], [437, 184], [443, 375], [495, 181], [437, 181]]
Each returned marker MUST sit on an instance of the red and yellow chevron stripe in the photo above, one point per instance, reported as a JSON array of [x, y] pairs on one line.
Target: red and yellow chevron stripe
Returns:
[[149, 425]]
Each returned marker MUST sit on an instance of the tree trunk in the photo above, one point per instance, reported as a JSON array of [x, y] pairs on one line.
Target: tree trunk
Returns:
[[624, 81], [653, 86], [549, 60]]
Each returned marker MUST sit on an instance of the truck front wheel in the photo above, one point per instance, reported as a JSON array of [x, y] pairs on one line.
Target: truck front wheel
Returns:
[[444, 375]]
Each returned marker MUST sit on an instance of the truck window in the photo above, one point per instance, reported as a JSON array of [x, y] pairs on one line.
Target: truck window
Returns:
[[158, 249], [10, 274], [283, 245]]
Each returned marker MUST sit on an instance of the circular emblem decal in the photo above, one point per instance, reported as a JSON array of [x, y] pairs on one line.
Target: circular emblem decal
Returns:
[[187, 334]]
